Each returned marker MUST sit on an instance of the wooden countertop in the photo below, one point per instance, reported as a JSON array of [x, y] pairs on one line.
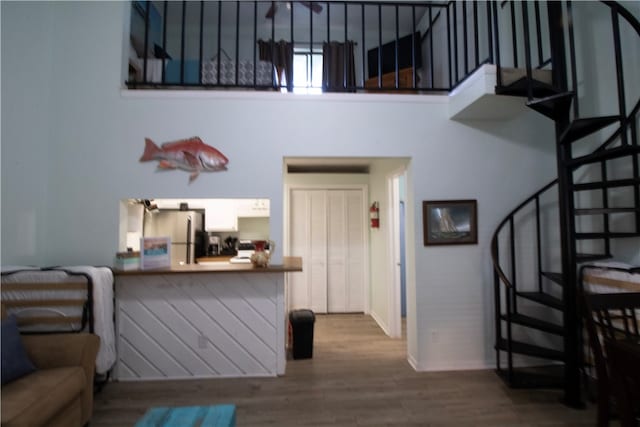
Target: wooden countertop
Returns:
[[289, 264], [216, 258]]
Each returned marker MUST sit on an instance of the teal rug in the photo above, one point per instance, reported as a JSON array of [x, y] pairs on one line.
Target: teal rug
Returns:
[[190, 416]]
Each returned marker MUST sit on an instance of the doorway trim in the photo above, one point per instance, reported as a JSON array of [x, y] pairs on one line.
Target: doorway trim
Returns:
[[393, 236]]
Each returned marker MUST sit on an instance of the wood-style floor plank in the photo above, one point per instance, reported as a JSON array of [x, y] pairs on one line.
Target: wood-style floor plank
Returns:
[[357, 377]]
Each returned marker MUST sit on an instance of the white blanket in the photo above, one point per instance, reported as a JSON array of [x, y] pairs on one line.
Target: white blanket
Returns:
[[102, 278]]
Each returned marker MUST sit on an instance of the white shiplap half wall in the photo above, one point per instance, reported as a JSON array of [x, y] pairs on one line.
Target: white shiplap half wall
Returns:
[[199, 326]]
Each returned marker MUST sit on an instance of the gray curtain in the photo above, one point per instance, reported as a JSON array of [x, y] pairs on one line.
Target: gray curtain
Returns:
[[280, 54], [338, 67]]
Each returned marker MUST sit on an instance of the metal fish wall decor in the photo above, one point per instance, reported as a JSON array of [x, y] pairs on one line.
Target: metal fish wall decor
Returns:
[[191, 155]]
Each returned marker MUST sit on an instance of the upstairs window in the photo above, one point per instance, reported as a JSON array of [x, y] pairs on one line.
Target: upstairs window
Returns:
[[307, 70]]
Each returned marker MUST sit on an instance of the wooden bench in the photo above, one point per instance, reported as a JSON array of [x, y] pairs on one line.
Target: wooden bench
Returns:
[[190, 416]]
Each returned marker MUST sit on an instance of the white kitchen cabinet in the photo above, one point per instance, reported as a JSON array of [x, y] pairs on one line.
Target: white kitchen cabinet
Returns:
[[220, 215], [328, 230], [252, 208]]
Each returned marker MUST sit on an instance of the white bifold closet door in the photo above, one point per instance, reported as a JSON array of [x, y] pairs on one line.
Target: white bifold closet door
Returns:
[[327, 231]]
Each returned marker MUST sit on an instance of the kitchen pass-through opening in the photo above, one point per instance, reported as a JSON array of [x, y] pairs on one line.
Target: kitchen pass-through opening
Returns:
[[198, 230]]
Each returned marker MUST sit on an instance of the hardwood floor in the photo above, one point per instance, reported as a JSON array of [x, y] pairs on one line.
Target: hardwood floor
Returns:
[[357, 377]]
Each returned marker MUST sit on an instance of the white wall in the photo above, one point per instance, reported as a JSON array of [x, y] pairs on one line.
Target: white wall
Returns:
[[25, 165], [381, 249], [70, 159]]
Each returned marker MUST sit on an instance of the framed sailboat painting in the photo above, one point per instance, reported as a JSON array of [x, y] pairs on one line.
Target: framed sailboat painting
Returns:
[[450, 222]]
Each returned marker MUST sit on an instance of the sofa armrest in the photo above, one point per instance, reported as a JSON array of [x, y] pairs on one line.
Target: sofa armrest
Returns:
[[57, 350]]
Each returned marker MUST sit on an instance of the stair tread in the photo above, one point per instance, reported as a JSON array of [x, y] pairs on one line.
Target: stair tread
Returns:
[[552, 106], [597, 185], [580, 128], [591, 257], [535, 377], [530, 350], [611, 153], [599, 211], [595, 236], [542, 298], [512, 74], [520, 88], [535, 323], [554, 277]]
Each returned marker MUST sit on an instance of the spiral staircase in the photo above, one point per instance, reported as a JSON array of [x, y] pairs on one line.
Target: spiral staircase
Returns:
[[537, 319]]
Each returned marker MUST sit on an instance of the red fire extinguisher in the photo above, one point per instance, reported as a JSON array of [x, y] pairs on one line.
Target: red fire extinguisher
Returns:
[[374, 215]]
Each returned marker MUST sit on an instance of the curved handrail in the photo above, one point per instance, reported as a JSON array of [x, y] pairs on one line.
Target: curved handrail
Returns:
[[626, 121], [494, 239], [621, 10]]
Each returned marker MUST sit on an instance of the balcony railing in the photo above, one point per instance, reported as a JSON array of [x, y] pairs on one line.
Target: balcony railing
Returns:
[[343, 46]]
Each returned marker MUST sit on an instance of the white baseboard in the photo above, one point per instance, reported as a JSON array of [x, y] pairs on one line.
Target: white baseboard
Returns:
[[463, 365], [380, 323]]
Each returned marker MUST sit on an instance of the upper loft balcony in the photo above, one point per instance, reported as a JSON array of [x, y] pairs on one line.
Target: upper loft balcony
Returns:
[[476, 52], [308, 47]]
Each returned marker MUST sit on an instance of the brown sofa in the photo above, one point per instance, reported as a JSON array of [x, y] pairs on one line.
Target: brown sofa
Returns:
[[60, 391]]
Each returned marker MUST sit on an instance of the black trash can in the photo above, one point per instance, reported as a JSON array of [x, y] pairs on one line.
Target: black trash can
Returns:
[[301, 322]]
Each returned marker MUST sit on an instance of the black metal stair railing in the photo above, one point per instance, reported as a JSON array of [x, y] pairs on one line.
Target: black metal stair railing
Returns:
[[612, 166], [178, 39], [440, 43], [194, 34], [506, 308]]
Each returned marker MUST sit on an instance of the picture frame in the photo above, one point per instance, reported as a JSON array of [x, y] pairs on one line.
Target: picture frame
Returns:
[[450, 222], [155, 252]]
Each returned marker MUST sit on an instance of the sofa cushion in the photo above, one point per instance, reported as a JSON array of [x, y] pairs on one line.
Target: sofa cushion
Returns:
[[37, 397], [15, 362], [69, 417]]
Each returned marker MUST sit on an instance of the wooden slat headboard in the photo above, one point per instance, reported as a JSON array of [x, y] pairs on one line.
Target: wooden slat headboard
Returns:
[[614, 283], [48, 300]]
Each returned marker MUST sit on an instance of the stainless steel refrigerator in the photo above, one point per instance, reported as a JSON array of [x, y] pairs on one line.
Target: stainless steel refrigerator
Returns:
[[181, 227]]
